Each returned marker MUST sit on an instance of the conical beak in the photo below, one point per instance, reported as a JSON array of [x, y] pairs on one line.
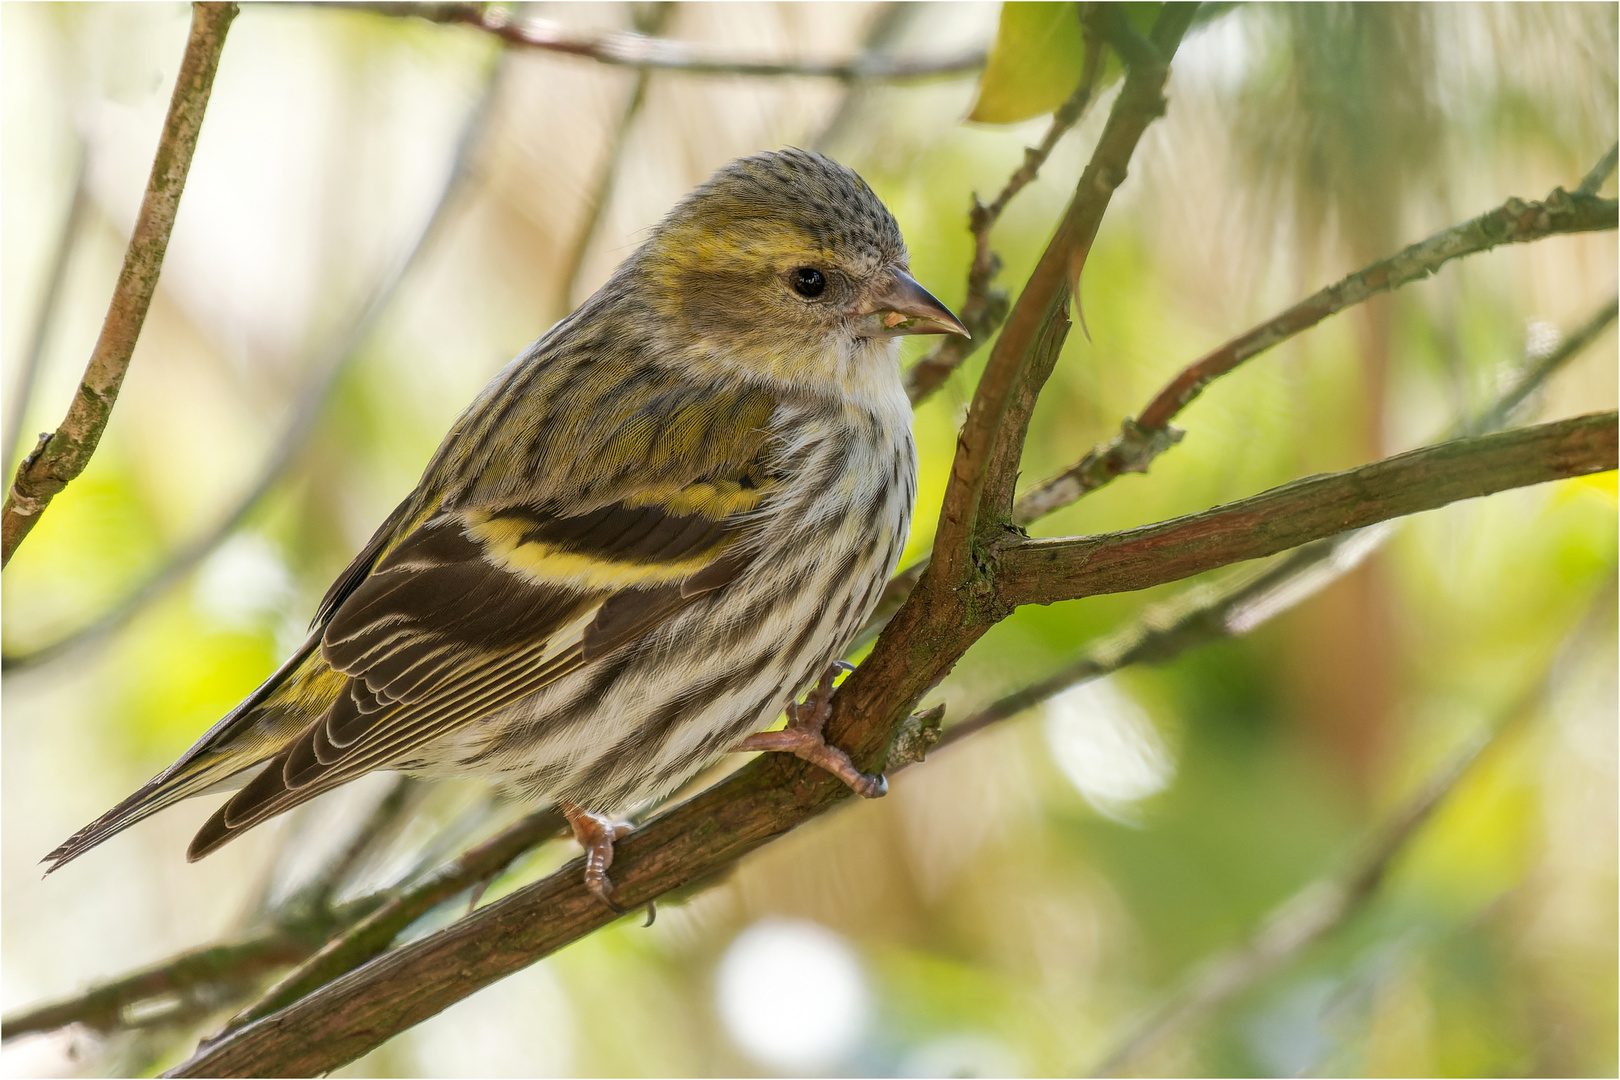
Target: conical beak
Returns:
[[901, 306]]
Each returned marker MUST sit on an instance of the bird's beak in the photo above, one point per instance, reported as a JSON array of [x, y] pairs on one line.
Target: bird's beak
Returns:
[[901, 306]]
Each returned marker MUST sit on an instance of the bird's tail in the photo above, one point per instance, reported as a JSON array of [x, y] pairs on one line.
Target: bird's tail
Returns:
[[224, 758], [163, 790]]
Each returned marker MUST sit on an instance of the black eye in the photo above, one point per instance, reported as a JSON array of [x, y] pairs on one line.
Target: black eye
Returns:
[[809, 282]]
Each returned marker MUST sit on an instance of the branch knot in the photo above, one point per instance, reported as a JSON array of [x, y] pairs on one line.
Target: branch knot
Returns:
[[914, 738]]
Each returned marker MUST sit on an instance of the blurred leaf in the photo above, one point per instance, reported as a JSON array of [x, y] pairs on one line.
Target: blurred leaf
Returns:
[[1035, 64]]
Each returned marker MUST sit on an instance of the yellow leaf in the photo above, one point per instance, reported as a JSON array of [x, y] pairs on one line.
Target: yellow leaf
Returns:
[[1035, 64]]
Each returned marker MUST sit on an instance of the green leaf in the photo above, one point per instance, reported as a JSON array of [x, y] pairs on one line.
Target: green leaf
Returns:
[[1035, 64]]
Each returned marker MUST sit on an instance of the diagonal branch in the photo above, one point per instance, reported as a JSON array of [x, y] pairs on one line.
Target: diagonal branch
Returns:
[[992, 435], [328, 368], [1246, 599], [985, 307], [769, 797], [109, 1007], [1046, 571], [1145, 437], [373, 934], [1070, 485], [1197, 617], [1541, 370], [640, 51], [193, 982], [62, 455]]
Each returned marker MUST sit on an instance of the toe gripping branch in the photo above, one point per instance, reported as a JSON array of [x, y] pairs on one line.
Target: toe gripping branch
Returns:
[[803, 738], [596, 834]]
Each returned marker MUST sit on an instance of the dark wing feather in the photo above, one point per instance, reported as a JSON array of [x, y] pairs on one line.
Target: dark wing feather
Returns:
[[471, 613]]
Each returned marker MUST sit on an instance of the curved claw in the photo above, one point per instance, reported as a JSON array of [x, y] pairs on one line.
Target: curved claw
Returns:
[[869, 786]]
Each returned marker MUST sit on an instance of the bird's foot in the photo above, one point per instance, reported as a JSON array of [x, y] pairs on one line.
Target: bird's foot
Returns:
[[596, 834], [803, 738]]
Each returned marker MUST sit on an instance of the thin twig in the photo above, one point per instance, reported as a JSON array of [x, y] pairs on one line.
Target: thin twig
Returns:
[[1198, 617], [1600, 172], [1070, 485], [372, 935], [62, 456], [1144, 438], [22, 394], [306, 410], [639, 51], [379, 825], [987, 448], [1207, 613], [767, 798], [1542, 369], [985, 307], [110, 1006], [204, 979], [653, 22], [1327, 903]]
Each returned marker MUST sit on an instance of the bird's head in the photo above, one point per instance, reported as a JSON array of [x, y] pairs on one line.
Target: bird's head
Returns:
[[783, 258]]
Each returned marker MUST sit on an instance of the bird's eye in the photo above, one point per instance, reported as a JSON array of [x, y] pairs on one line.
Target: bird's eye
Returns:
[[809, 282]]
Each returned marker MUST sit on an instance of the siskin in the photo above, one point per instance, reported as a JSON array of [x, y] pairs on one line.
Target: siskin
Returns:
[[649, 532]]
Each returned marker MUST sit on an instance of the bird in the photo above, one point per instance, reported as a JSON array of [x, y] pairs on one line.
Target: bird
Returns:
[[643, 539]]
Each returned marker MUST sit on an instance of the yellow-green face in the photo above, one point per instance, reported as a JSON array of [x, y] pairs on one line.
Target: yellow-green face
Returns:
[[784, 255]]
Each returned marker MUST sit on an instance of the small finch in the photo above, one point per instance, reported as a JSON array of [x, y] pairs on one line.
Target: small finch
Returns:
[[645, 536]]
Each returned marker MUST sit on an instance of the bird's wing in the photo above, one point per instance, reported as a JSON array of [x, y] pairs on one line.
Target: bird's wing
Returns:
[[478, 608], [260, 726]]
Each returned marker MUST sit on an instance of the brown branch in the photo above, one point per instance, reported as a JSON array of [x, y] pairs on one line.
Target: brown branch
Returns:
[[1201, 615], [194, 982], [62, 456], [992, 435], [639, 51], [108, 1007], [1327, 903], [1145, 437], [328, 367], [770, 796], [985, 307], [1207, 613], [376, 932], [1046, 571], [1197, 617]]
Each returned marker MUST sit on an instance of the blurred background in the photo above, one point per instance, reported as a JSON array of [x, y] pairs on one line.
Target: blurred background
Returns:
[[1023, 902]]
